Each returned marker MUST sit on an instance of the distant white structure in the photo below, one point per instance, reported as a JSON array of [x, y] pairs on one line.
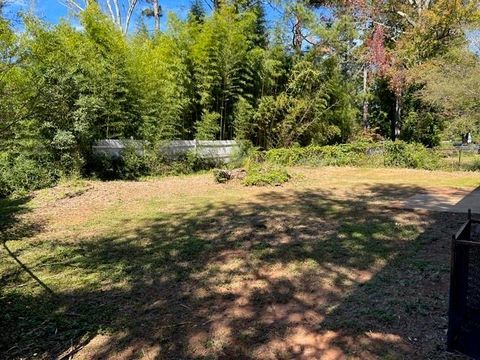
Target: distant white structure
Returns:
[[219, 150], [114, 148]]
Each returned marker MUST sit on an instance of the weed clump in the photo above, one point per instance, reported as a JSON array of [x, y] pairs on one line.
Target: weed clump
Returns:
[[264, 174]]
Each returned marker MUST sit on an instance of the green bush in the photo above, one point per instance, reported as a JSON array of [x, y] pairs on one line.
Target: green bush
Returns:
[[20, 175], [240, 154], [410, 155], [133, 164], [266, 174], [354, 154], [391, 154], [104, 167], [182, 165], [195, 163], [130, 165], [473, 165]]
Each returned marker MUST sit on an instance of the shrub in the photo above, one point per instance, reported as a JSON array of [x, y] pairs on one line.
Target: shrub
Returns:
[[266, 174], [240, 154], [392, 154], [353, 154], [473, 166], [410, 155], [181, 165], [289, 157], [20, 175], [196, 163], [103, 167], [130, 165], [133, 164]]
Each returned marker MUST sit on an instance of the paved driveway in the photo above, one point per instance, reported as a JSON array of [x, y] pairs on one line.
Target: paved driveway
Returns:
[[445, 200]]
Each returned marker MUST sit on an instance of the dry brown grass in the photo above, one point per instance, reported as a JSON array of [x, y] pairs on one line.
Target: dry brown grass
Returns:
[[321, 268]]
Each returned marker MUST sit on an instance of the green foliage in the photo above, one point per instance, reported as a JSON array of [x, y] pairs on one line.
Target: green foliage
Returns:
[[241, 155], [390, 154], [195, 163], [104, 167], [20, 175], [208, 127], [474, 166], [354, 154], [158, 165], [130, 165], [224, 75], [416, 156], [262, 174], [448, 82], [243, 119], [16, 89], [271, 112], [220, 56], [159, 68], [422, 127], [317, 107], [197, 12], [83, 90], [133, 164]]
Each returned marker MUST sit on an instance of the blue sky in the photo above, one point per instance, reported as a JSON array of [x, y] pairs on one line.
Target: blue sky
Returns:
[[49, 10], [53, 10]]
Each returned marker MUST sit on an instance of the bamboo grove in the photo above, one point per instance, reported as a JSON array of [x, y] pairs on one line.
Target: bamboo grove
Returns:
[[321, 72]]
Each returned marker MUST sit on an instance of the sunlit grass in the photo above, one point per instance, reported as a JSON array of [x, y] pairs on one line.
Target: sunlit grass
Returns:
[[106, 249]]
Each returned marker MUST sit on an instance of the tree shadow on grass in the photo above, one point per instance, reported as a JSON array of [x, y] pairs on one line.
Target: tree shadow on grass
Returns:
[[291, 274], [10, 226], [13, 228]]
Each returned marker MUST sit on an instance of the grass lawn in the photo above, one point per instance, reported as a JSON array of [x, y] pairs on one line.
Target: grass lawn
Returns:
[[323, 268]]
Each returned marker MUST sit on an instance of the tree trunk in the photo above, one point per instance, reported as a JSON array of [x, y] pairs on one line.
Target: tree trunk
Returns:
[[224, 117], [297, 35], [156, 15], [118, 15], [131, 8], [365, 100], [397, 119]]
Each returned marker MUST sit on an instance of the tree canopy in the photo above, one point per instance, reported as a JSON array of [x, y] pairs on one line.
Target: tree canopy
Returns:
[[322, 73]]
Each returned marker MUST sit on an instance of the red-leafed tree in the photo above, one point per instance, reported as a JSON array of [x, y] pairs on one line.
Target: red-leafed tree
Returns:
[[404, 34]]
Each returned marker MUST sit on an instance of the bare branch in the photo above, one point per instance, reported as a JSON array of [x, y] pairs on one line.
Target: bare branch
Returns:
[[117, 12], [131, 7], [406, 17], [110, 10], [72, 4]]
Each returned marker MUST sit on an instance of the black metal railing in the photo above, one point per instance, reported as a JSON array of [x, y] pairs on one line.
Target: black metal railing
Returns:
[[464, 309]]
